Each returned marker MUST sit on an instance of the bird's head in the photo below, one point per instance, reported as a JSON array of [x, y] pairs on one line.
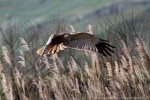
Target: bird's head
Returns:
[[66, 35]]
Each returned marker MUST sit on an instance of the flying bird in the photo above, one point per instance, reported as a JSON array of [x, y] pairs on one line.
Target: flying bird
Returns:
[[80, 40]]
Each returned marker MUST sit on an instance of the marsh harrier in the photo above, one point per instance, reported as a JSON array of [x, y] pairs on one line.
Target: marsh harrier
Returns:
[[77, 40], [80, 40]]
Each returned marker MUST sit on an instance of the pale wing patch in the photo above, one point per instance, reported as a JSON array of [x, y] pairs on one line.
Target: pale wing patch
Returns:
[[49, 40]]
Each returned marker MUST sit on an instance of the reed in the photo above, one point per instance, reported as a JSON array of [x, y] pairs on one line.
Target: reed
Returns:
[[26, 76]]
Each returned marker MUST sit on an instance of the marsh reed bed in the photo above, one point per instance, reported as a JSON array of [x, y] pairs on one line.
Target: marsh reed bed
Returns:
[[65, 76]]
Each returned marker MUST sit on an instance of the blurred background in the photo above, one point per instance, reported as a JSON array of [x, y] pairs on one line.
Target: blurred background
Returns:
[[76, 12]]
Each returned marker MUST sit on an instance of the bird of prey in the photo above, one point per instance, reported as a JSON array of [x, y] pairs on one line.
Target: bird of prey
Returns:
[[80, 40]]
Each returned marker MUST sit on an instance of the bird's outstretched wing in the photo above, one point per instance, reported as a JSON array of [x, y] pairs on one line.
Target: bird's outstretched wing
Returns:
[[87, 41], [84, 41]]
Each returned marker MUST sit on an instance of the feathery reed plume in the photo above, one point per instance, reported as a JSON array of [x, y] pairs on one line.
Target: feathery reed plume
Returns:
[[110, 78], [24, 45], [21, 60], [6, 56], [71, 31], [65, 86], [108, 93], [17, 77], [123, 77], [74, 66], [95, 64], [56, 71], [76, 83], [45, 62], [139, 48], [65, 82], [141, 90], [143, 57], [90, 29], [23, 89], [109, 70], [59, 62], [6, 88], [1, 67], [119, 90], [40, 89], [18, 84], [138, 72], [87, 70], [57, 93], [116, 70], [124, 62], [129, 58]]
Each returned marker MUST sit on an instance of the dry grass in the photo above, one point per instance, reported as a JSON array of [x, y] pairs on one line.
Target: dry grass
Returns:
[[26, 76], [127, 78]]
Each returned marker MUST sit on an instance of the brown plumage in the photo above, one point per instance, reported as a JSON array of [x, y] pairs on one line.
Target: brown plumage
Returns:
[[83, 41]]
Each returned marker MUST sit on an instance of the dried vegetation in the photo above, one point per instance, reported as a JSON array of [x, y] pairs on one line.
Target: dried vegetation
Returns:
[[26, 76]]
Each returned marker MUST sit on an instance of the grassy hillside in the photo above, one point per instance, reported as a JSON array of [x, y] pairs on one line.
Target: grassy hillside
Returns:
[[78, 12], [44, 10]]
